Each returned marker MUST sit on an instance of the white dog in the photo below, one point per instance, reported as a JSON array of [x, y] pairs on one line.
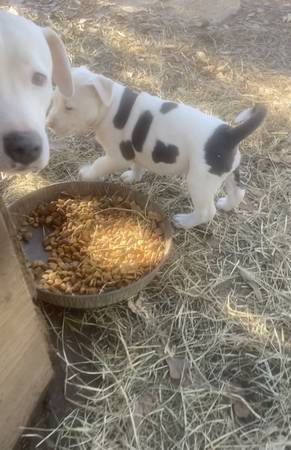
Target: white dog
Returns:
[[30, 57], [144, 132]]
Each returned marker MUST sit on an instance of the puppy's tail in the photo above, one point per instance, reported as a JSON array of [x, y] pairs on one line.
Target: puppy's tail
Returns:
[[248, 121]]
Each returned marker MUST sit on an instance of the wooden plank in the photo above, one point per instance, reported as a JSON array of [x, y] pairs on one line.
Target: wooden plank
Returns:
[[25, 366]]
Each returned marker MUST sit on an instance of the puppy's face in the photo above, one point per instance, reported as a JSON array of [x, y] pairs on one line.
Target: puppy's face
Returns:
[[26, 61], [84, 110], [76, 115]]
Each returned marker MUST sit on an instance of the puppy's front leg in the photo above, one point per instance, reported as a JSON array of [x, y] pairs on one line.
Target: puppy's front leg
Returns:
[[135, 174], [103, 166]]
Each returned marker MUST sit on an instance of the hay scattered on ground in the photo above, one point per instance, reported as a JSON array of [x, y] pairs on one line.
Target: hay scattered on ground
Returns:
[[223, 302]]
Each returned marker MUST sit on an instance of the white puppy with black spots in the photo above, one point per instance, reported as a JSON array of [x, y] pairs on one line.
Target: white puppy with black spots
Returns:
[[143, 132]]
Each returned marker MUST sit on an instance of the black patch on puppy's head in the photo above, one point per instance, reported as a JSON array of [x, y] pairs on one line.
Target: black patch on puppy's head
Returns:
[[220, 150], [125, 106], [127, 150], [141, 130], [165, 153], [167, 107]]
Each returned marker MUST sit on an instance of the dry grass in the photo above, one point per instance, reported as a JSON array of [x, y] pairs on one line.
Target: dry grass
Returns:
[[223, 302]]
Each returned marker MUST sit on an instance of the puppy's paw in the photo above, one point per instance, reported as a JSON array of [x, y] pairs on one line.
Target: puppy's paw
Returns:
[[128, 176], [223, 203], [85, 173], [184, 221], [228, 203]]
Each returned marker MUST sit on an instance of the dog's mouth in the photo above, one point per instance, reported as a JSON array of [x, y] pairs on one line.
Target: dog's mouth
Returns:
[[20, 168], [14, 168]]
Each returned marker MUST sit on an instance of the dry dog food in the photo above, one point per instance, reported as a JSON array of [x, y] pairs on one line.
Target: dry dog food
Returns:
[[94, 244]]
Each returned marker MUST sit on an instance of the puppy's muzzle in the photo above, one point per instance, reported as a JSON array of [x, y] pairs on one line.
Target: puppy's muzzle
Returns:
[[23, 147]]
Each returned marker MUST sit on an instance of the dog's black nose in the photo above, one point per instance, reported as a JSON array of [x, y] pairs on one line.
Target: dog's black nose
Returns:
[[23, 147]]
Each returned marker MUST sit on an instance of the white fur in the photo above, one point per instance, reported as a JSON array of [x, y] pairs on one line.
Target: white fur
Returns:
[[134, 174], [26, 49], [94, 106], [243, 115]]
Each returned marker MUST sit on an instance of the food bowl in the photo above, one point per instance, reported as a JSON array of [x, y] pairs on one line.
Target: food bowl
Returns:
[[33, 248]]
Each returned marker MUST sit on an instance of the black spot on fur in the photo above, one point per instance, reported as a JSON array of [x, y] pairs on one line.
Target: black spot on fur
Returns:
[[125, 106], [220, 150], [236, 176], [165, 153], [167, 107], [127, 150], [141, 130]]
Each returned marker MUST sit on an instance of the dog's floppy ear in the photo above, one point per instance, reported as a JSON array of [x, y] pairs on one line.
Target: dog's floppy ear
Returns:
[[61, 65], [104, 89]]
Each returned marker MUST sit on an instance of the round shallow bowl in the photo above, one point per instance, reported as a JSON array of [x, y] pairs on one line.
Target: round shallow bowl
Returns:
[[34, 249]]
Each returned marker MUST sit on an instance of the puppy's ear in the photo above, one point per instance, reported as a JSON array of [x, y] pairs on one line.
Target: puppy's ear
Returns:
[[61, 65], [104, 89]]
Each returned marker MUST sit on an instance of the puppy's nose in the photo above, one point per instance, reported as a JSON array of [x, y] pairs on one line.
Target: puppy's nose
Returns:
[[23, 147]]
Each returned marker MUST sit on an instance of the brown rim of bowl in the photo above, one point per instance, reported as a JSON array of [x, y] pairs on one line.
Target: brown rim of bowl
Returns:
[[29, 202]]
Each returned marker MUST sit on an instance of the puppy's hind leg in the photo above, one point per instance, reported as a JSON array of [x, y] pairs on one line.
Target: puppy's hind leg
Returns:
[[134, 174], [202, 191], [103, 166], [234, 193]]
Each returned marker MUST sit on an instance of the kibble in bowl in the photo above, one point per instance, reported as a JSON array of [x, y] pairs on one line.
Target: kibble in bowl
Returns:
[[91, 244]]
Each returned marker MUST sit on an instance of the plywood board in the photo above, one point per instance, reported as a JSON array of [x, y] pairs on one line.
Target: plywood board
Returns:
[[25, 366]]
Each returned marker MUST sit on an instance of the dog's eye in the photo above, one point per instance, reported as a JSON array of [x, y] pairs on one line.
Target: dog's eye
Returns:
[[68, 108], [38, 79]]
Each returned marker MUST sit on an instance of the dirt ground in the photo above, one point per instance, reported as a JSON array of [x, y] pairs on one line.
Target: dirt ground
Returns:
[[199, 12], [201, 359]]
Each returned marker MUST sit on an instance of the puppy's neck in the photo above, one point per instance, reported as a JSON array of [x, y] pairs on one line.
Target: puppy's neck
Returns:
[[105, 111], [102, 114]]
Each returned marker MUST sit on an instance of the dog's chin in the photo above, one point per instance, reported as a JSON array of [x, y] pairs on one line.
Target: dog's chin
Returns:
[[20, 170], [13, 168]]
